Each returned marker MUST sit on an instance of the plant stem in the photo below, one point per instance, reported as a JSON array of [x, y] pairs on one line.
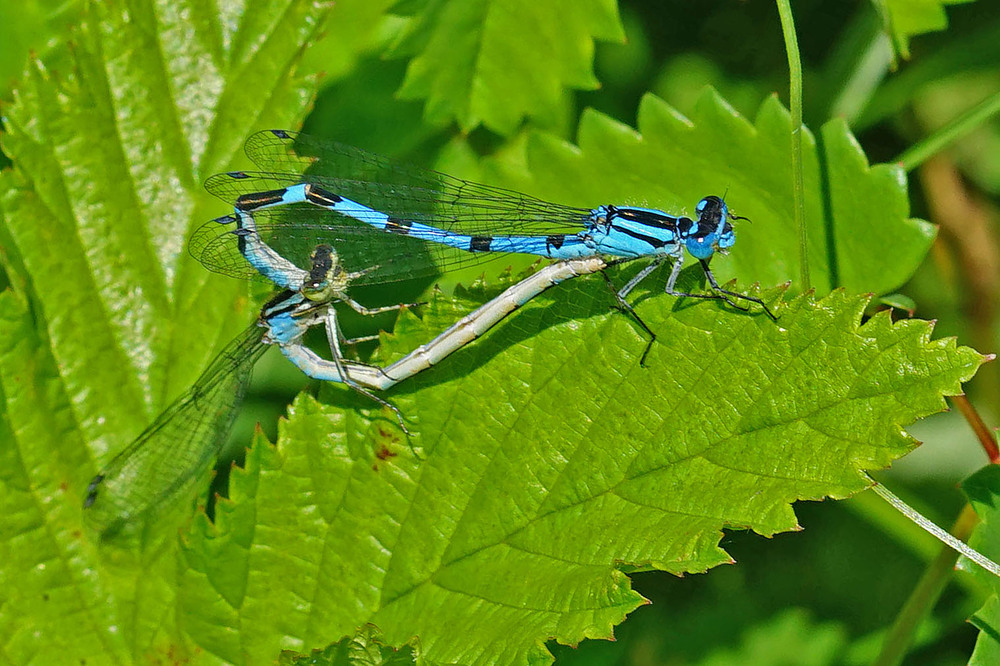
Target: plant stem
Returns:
[[983, 433], [918, 153], [795, 107], [924, 595]]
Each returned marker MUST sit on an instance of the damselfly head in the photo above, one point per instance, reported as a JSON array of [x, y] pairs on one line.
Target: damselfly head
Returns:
[[713, 232], [712, 211]]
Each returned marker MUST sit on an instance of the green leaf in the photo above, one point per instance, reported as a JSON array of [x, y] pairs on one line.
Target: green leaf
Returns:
[[43, 572], [901, 302], [108, 317], [496, 61], [33, 28], [351, 28], [859, 231], [904, 19], [983, 490], [549, 460], [792, 637], [365, 648]]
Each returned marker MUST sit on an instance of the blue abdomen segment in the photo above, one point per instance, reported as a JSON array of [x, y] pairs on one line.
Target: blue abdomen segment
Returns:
[[283, 328]]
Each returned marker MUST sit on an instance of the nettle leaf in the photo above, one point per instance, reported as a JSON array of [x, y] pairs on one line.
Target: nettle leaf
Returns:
[[860, 235], [365, 648], [350, 29], [548, 461], [983, 490], [496, 61], [41, 454], [108, 319], [907, 18]]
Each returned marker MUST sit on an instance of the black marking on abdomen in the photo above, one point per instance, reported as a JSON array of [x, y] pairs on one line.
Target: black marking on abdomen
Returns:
[[397, 226], [480, 243], [317, 195], [555, 241], [247, 202]]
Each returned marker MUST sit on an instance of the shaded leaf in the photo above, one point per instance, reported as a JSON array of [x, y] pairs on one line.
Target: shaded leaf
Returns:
[[468, 68], [792, 637], [963, 55], [34, 28], [351, 28], [365, 648], [907, 18], [983, 490]]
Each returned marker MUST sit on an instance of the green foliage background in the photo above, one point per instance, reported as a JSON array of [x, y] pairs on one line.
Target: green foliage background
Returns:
[[557, 480]]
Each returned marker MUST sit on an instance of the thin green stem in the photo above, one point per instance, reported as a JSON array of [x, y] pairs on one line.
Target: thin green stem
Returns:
[[955, 541], [918, 153], [918, 606], [795, 106]]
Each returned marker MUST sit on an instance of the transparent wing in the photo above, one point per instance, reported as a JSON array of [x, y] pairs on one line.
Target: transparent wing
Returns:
[[404, 191], [168, 456]]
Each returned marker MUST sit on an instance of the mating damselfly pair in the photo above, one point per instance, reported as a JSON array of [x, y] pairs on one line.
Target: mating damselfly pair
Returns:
[[319, 217]]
